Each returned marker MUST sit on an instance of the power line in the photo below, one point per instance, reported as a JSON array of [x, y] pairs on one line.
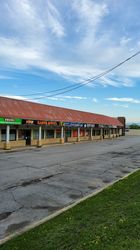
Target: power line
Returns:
[[71, 88], [86, 82], [56, 90]]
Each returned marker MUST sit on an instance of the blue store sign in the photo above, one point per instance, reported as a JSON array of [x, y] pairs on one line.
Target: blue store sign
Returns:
[[78, 124]]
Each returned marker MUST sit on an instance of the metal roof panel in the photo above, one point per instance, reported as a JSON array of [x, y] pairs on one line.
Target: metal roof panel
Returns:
[[13, 108]]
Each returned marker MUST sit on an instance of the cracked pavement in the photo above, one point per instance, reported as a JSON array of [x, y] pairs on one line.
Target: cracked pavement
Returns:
[[37, 182]]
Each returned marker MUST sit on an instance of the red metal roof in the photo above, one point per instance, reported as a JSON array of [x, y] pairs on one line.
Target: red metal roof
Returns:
[[12, 108]]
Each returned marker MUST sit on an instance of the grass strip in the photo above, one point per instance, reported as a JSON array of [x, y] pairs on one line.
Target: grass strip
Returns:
[[108, 221]]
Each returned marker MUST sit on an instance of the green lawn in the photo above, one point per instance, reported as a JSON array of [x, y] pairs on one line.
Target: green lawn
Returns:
[[108, 221]]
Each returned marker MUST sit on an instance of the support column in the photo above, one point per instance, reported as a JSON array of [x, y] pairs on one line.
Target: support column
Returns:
[[17, 134], [62, 135], [85, 132], [120, 131], [113, 132], [39, 137], [32, 136], [44, 133], [78, 137], [91, 131], [7, 144], [109, 133], [101, 134], [55, 133]]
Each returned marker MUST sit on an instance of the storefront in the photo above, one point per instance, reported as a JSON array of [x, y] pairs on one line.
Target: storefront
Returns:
[[20, 132]]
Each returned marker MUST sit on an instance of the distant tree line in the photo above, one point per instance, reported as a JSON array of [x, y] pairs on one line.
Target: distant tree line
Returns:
[[134, 126]]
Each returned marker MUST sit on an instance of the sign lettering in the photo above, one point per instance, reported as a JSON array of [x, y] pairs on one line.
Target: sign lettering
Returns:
[[13, 121], [37, 122], [78, 124]]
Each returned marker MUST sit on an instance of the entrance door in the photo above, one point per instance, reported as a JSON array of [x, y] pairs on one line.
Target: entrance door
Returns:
[[67, 134], [103, 133], [27, 136]]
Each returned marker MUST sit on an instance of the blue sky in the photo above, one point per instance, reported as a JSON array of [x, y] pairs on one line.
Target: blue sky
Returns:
[[51, 44]]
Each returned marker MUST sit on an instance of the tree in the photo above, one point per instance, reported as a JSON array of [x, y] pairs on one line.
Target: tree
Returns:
[[134, 126]]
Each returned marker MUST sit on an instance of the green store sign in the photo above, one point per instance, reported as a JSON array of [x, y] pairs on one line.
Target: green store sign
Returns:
[[9, 121]]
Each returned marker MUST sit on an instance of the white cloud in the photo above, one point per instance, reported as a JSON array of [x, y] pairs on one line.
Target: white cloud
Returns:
[[124, 40], [15, 97], [53, 18], [94, 100], [124, 99], [116, 82], [121, 105], [60, 97], [72, 42], [19, 56], [75, 97], [4, 77], [89, 12], [43, 97], [55, 98]]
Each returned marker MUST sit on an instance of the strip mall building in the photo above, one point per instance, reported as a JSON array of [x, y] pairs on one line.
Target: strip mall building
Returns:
[[26, 123]]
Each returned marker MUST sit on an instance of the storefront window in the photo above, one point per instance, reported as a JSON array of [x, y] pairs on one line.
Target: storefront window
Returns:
[[50, 133], [3, 135], [87, 133], [75, 133], [58, 133], [68, 133], [12, 135], [35, 134], [93, 132], [107, 132], [82, 132], [42, 134], [21, 134], [97, 132]]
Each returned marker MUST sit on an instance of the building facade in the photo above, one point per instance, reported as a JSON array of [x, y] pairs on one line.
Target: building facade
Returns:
[[25, 123]]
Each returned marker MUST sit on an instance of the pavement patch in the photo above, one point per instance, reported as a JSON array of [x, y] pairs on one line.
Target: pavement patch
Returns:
[[5, 215]]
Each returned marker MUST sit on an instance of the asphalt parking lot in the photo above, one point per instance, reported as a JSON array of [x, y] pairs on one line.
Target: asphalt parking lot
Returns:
[[35, 183]]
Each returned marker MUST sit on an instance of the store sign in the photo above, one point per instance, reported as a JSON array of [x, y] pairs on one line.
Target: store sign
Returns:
[[34, 122], [78, 124], [88, 125], [73, 124], [28, 122], [41, 123], [103, 126], [100, 126], [48, 123], [9, 121], [109, 126]]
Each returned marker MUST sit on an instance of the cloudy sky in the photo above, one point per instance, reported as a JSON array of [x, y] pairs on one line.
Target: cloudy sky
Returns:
[[49, 45]]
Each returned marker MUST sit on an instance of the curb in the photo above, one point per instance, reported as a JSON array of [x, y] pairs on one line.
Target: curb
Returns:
[[64, 209], [29, 148]]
